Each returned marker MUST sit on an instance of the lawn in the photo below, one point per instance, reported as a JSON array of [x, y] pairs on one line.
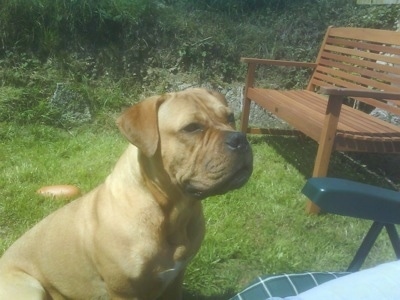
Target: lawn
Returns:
[[259, 229]]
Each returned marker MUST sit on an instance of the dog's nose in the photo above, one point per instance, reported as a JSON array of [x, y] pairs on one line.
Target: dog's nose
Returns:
[[237, 141]]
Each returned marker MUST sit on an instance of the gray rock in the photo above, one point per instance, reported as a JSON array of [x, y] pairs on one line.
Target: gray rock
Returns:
[[386, 116], [71, 106]]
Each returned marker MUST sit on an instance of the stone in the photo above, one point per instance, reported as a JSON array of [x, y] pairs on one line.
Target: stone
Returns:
[[386, 116], [72, 107]]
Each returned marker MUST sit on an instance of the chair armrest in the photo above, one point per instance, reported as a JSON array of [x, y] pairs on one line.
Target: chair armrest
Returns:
[[354, 199], [287, 63], [359, 93]]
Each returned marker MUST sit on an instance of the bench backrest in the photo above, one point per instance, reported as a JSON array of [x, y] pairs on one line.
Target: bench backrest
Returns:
[[359, 58]]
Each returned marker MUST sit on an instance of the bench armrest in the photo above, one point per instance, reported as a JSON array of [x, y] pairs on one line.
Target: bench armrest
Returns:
[[287, 63], [359, 93]]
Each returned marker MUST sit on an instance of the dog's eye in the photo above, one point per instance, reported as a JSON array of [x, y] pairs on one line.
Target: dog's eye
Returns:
[[193, 127]]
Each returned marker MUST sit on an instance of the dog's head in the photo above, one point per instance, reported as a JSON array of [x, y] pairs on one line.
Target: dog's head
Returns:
[[190, 137]]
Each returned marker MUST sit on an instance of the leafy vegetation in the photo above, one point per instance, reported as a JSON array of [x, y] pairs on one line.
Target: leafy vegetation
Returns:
[[140, 46]]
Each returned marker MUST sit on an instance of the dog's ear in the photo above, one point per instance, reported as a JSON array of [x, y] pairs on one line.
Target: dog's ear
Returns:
[[139, 124], [219, 96]]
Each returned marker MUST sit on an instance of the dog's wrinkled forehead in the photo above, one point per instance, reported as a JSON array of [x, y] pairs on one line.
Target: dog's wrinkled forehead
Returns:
[[195, 104]]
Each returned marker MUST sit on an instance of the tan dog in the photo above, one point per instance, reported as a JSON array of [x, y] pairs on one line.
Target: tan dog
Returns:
[[133, 236]]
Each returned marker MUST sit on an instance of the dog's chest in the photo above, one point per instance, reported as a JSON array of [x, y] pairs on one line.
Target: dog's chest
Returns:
[[182, 255], [169, 275], [169, 272]]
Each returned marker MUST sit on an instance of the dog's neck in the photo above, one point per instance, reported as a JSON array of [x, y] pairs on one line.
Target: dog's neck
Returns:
[[177, 208], [168, 195]]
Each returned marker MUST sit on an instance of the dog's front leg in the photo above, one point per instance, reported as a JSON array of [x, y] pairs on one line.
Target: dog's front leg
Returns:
[[21, 286], [174, 289]]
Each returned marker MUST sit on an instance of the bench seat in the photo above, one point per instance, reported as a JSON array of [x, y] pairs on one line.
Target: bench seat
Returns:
[[305, 111]]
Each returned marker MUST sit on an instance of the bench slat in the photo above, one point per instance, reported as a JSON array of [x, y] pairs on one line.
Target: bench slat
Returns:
[[362, 81], [366, 54], [373, 102], [382, 66], [326, 80], [373, 47], [366, 34], [392, 77], [351, 120], [282, 107]]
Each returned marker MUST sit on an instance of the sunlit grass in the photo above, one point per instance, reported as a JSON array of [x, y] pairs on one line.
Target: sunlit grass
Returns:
[[259, 229]]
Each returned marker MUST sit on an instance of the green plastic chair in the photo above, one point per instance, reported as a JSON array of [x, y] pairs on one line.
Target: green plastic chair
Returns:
[[358, 200]]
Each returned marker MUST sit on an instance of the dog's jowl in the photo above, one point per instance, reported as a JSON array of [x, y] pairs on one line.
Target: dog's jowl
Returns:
[[133, 236]]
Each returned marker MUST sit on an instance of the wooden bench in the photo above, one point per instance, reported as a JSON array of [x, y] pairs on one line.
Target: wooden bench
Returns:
[[356, 70]]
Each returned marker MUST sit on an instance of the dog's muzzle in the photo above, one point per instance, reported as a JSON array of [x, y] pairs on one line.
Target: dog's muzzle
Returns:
[[236, 141], [238, 144], [236, 172]]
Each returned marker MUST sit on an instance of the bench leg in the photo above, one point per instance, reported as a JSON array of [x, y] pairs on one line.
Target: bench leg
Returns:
[[326, 142], [312, 208], [320, 169], [244, 122]]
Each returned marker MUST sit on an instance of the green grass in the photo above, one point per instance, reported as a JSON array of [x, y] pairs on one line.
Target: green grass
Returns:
[[259, 229]]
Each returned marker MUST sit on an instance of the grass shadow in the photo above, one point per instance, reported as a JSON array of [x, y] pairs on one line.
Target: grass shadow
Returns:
[[371, 168]]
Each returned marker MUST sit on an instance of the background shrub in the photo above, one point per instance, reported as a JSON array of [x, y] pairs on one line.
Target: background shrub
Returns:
[[114, 50]]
